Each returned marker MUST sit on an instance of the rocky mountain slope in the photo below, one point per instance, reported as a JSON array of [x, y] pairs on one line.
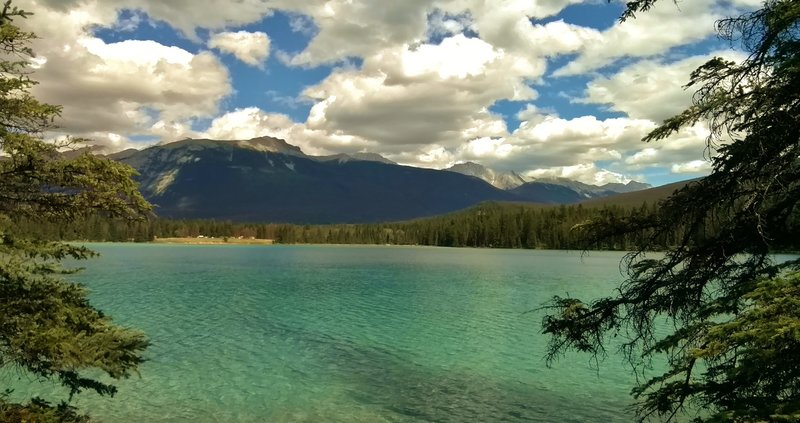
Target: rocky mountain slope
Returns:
[[269, 180], [502, 180]]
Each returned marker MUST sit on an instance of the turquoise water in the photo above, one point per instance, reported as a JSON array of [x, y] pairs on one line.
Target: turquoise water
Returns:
[[349, 334]]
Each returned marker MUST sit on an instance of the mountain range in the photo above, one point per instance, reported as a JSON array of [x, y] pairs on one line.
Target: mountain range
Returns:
[[502, 180], [269, 180], [545, 190]]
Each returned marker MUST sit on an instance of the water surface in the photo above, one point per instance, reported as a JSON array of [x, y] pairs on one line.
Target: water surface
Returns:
[[372, 334]]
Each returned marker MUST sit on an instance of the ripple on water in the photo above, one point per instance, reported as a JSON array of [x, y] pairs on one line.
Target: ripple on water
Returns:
[[350, 334]]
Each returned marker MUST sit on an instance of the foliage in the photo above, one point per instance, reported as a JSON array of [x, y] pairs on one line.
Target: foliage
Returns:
[[47, 326], [490, 225], [732, 307], [39, 411]]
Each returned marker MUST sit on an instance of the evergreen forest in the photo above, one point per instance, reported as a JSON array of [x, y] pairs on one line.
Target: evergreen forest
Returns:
[[488, 225]]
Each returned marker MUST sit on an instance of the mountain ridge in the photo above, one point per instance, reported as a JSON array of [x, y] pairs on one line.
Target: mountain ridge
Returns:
[[230, 180], [502, 180], [268, 179], [512, 180]]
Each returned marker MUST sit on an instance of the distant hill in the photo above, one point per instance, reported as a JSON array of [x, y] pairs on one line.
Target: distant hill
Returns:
[[567, 191], [629, 187], [594, 191], [637, 198], [544, 190], [268, 180], [547, 193]]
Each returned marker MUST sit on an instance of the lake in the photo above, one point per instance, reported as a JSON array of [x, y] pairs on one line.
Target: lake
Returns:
[[349, 334]]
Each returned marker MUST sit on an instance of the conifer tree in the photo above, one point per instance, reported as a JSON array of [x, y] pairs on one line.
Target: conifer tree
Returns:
[[732, 311], [48, 328]]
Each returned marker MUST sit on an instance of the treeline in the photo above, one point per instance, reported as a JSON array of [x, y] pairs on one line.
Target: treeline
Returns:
[[484, 226], [490, 225]]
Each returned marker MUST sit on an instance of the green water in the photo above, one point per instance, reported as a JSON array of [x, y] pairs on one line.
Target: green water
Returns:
[[370, 334]]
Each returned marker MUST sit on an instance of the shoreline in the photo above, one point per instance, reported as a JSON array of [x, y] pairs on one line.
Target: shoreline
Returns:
[[211, 241], [262, 242], [270, 242]]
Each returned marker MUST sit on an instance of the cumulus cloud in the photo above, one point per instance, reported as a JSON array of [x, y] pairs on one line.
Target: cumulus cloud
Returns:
[[172, 131], [583, 137], [548, 145], [249, 47], [100, 142], [355, 28], [423, 95], [124, 87], [485, 147], [586, 173], [643, 157], [302, 24], [507, 25], [443, 24], [95, 82], [252, 122], [694, 166], [427, 75], [435, 156], [247, 123], [184, 15], [649, 89], [665, 26]]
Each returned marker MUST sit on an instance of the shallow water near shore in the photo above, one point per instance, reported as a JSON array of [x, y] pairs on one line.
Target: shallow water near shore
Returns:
[[348, 333]]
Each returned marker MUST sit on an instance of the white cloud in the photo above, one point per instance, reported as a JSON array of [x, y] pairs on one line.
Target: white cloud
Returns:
[[107, 142], [694, 166], [185, 15], [249, 47], [435, 156], [456, 57], [485, 147], [243, 124], [584, 131], [750, 4], [423, 95], [356, 28], [134, 52], [172, 131], [302, 24], [586, 173], [550, 146], [118, 86], [430, 73], [551, 143], [650, 89], [442, 24], [251, 122], [643, 157], [665, 26], [506, 24], [122, 88]]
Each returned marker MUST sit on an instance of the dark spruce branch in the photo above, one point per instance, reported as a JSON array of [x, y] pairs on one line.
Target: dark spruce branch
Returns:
[[735, 312], [47, 326]]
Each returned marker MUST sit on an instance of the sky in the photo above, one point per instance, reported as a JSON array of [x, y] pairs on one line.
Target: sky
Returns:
[[545, 88]]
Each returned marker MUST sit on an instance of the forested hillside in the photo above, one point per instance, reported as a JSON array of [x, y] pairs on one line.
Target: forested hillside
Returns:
[[489, 225]]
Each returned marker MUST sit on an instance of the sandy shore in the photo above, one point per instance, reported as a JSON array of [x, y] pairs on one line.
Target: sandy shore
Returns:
[[213, 241]]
